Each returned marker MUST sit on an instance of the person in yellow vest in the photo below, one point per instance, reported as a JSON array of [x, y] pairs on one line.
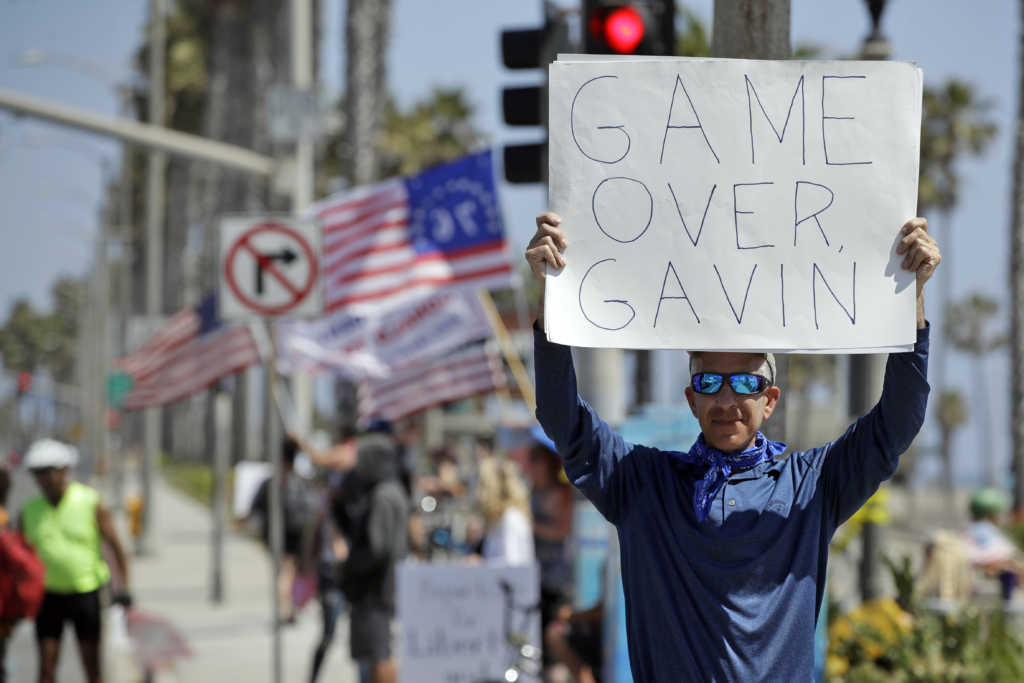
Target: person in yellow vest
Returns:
[[67, 525]]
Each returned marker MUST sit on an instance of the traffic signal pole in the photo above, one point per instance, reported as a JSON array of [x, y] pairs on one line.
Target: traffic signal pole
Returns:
[[141, 134]]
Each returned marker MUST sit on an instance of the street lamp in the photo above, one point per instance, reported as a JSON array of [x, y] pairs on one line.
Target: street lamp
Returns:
[[876, 45]]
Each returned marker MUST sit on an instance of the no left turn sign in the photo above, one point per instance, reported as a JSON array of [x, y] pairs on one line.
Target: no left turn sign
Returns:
[[269, 267]]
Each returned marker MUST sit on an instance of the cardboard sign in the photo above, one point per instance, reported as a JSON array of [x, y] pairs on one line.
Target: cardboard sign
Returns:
[[458, 626], [733, 204]]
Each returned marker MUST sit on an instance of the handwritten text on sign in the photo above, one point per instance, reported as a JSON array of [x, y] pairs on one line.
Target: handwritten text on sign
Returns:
[[459, 624], [732, 203]]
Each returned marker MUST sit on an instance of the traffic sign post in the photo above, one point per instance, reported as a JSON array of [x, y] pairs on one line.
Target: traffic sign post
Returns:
[[270, 267]]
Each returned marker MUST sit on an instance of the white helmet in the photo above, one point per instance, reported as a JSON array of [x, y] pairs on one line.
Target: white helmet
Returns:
[[50, 453]]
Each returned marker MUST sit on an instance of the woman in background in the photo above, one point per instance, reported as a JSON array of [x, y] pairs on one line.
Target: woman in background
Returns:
[[504, 502]]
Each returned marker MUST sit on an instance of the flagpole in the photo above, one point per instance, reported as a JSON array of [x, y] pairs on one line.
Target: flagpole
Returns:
[[511, 356]]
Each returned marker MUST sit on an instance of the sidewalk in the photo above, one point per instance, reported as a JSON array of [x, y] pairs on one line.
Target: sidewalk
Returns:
[[229, 642]]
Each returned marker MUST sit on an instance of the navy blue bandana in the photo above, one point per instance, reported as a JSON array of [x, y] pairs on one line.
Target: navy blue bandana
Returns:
[[720, 465]]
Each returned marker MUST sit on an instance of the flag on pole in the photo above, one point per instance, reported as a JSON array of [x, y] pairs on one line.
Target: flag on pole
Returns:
[[361, 346], [402, 239], [466, 372], [181, 328], [173, 364]]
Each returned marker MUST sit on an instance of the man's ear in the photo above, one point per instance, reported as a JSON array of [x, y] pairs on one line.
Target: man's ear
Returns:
[[691, 399], [772, 394]]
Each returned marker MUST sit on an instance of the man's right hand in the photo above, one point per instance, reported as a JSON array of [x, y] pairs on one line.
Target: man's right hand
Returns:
[[545, 248]]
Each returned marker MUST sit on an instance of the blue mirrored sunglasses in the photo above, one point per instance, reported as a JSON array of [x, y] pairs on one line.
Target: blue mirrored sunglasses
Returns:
[[744, 383]]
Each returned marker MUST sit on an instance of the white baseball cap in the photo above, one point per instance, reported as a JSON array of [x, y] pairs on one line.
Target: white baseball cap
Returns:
[[50, 453]]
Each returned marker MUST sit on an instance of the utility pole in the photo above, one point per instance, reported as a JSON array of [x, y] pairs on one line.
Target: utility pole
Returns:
[[867, 370], [756, 29], [157, 165], [751, 29]]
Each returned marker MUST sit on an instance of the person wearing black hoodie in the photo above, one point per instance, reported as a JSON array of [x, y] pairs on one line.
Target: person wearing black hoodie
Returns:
[[372, 510]]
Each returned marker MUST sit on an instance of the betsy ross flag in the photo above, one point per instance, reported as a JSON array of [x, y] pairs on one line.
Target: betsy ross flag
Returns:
[[463, 373], [190, 352], [397, 241]]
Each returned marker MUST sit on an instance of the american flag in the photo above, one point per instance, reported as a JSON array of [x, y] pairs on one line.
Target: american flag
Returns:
[[190, 352], [466, 372], [402, 239], [182, 327]]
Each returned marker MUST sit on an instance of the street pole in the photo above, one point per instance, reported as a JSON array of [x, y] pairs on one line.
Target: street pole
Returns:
[[751, 29], [221, 462], [123, 287], [867, 370], [103, 340], [302, 189], [756, 29], [276, 520], [154, 253]]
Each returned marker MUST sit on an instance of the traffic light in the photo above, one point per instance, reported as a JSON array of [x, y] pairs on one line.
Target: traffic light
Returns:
[[640, 27], [532, 48]]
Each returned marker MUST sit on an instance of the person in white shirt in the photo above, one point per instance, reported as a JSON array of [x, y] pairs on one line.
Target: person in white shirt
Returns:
[[505, 504]]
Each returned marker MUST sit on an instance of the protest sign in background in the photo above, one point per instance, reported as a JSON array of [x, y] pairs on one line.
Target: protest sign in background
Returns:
[[452, 617], [733, 204]]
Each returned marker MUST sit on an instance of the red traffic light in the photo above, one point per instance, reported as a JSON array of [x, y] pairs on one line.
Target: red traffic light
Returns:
[[623, 29], [24, 381], [633, 27]]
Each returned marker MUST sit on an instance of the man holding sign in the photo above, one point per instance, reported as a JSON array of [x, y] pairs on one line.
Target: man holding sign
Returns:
[[724, 548]]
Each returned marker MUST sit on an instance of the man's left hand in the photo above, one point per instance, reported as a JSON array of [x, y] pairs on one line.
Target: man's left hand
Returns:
[[921, 252]]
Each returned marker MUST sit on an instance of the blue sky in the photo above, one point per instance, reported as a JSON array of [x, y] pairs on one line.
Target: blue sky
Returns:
[[50, 177]]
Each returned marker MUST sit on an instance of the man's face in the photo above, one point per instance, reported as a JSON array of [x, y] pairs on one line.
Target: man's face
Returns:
[[51, 481], [729, 420]]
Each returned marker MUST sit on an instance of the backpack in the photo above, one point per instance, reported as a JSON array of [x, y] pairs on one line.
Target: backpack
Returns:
[[22, 577]]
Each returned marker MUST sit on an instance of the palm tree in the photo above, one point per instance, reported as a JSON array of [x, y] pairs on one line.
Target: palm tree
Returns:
[[952, 412], [967, 321], [955, 122], [366, 42]]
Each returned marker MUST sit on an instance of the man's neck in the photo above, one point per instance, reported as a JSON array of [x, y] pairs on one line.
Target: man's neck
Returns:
[[60, 496]]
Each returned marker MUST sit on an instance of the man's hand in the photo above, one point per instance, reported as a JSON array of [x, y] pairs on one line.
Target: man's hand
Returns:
[[921, 256], [545, 248]]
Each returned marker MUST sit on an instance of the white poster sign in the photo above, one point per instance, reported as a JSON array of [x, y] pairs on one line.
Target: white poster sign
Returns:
[[458, 621], [733, 204], [249, 476]]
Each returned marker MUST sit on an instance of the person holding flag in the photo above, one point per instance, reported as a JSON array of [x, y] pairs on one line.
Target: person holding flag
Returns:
[[724, 547]]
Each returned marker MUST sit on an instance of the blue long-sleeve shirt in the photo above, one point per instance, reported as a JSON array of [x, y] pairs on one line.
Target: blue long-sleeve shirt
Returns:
[[734, 598]]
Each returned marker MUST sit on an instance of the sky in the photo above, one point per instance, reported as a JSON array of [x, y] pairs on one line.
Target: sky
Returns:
[[50, 177]]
